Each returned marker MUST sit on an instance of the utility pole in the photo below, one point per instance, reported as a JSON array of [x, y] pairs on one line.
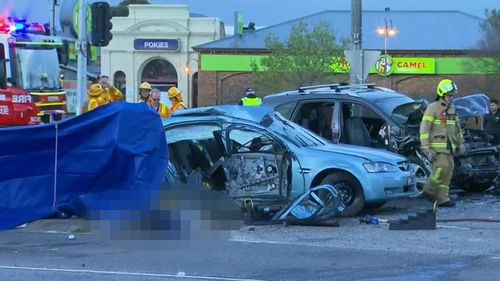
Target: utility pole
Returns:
[[53, 17], [356, 73], [81, 47]]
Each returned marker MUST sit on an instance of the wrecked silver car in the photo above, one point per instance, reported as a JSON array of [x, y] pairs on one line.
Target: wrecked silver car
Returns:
[[263, 160], [479, 168]]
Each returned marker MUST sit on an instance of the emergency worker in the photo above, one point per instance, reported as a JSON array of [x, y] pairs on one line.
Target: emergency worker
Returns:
[[96, 97], [441, 138], [492, 122], [157, 105], [112, 93], [174, 94], [145, 92], [250, 98]]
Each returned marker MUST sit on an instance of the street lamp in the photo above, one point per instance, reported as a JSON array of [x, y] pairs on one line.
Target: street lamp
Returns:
[[386, 31], [188, 69]]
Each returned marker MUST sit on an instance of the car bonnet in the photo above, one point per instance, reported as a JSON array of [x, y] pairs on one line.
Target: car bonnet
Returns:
[[370, 154]]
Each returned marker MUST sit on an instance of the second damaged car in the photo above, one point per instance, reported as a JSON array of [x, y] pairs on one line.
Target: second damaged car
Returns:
[[261, 159]]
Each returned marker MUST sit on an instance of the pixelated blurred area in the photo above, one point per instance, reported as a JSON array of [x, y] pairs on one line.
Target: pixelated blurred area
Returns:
[[177, 212]]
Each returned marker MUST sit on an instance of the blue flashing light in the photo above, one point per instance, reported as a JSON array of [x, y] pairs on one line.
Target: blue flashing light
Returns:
[[19, 26]]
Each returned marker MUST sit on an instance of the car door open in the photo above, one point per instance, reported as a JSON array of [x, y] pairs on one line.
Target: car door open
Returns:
[[255, 166]]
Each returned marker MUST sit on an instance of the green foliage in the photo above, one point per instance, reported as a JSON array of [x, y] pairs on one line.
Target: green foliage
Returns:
[[122, 9], [490, 44], [304, 58]]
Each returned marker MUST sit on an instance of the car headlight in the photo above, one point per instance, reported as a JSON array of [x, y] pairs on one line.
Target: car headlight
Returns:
[[379, 167]]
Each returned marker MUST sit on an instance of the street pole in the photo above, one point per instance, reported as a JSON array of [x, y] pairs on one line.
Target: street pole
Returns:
[[53, 18], [81, 47], [356, 72], [385, 53]]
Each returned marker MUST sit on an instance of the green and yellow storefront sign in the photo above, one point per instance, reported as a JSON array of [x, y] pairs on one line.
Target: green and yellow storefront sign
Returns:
[[395, 65], [404, 65]]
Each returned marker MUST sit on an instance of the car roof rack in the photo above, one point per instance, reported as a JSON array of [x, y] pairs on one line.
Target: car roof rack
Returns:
[[338, 87], [304, 88]]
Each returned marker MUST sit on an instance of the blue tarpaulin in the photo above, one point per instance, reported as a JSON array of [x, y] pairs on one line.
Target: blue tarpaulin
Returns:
[[116, 153]]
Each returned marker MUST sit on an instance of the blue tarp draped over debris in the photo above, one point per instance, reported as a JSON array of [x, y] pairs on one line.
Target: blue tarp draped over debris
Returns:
[[116, 153]]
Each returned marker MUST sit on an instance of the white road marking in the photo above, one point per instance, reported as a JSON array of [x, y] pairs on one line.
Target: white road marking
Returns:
[[142, 274]]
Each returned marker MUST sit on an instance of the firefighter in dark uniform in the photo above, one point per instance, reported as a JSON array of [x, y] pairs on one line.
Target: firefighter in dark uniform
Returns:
[[492, 122]]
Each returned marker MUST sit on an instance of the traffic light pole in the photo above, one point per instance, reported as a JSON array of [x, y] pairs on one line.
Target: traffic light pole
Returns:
[[81, 47]]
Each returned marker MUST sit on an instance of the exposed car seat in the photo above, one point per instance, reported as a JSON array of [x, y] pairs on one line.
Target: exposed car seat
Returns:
[[356, 132]]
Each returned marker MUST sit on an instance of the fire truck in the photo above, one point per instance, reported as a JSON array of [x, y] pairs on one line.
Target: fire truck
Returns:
[[30, 86]]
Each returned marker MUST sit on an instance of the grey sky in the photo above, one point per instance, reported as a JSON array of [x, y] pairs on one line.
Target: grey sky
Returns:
[[267, 12]]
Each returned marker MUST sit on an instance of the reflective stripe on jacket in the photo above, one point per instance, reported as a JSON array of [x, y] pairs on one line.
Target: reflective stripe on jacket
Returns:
[[251, 101], [440, 128], [163, 110]]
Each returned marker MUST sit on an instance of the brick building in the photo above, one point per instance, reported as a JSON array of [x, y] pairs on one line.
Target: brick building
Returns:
[[429, 46]]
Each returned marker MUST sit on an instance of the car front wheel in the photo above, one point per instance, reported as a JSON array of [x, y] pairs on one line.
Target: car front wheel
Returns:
[[350, 190]]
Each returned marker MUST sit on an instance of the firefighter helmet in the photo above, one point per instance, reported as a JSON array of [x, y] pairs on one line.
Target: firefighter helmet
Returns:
[[446, 86], [95, 90], [145, 86], [173, 92]]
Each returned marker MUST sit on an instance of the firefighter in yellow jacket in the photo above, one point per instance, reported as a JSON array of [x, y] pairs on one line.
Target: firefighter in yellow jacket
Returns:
[[441, 138], [175, 97], [112, 93], [96, 97], [157, 105]]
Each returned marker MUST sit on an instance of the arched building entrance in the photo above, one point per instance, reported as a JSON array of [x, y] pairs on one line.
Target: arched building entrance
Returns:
[[154, 44], [161, 74]]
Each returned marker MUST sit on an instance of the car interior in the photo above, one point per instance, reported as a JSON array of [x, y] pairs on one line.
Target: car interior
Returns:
[[253, 164], [316, 117], [199, 156], [362, 126]]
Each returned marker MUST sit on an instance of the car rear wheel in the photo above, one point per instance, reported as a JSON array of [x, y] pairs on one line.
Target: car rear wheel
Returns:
[[350, 190]]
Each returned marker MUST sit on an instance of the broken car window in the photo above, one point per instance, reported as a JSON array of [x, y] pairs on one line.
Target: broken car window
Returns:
[[243, 140]]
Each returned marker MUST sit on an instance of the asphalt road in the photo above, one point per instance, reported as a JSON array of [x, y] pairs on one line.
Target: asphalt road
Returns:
[[468, 250]]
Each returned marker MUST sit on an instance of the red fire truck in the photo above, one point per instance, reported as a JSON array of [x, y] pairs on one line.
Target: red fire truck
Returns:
[[30, 86]]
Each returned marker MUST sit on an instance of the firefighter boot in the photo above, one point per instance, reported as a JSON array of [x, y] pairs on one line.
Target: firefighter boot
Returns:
[[443, 200]]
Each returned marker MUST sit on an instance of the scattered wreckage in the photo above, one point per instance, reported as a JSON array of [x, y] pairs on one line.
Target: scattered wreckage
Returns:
[[479, 167], [264, 162]]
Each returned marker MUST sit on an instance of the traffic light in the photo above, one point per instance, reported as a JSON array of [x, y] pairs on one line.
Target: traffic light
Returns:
[[101, 24]]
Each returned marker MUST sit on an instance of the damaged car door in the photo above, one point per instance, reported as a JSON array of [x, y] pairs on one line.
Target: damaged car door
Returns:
[[256, 165]]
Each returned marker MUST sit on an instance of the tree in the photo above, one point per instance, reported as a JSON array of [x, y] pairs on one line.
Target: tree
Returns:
[[490, 44], [122, 9], [305, 58]]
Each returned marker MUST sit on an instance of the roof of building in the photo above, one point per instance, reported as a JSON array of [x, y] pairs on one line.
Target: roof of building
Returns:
[[416, 31]]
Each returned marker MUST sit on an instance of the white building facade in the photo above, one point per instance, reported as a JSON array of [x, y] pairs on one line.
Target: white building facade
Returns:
[[153, 44]]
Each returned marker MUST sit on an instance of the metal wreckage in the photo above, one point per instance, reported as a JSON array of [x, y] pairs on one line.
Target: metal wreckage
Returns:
[[255, 173], [478, 169]]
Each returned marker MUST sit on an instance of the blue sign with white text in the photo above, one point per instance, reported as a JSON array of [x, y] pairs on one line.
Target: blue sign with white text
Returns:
[[156, 44]]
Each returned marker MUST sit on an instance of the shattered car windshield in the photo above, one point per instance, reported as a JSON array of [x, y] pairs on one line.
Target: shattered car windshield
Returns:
[[291, 131]]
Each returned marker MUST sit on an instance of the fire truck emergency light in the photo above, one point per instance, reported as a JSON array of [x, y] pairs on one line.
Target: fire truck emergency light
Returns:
[[10, 25]]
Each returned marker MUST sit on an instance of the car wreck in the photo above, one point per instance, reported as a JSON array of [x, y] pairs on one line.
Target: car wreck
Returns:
[[377, 117], [479, 167], [262, 160]]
